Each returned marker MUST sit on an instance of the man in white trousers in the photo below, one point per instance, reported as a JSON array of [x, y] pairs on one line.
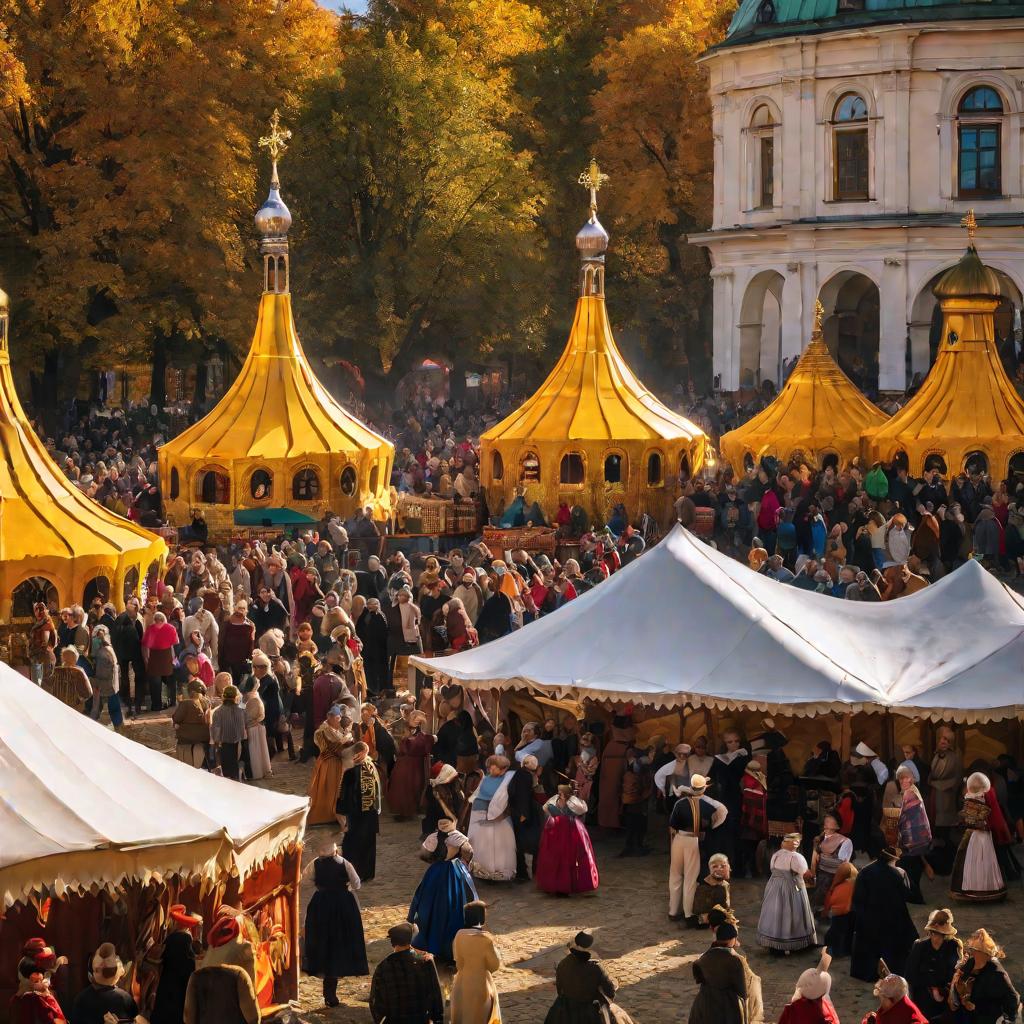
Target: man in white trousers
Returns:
[[692, 818]]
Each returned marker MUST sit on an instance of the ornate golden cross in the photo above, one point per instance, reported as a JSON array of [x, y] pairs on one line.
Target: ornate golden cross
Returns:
[[971, 224], [277, 141], [593, 178]]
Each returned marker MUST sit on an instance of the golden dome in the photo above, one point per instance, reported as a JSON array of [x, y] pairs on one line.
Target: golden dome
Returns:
[[970, 278]]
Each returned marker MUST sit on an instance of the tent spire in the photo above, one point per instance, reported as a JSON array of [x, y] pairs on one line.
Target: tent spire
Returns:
[[273, 219], [592, 239]]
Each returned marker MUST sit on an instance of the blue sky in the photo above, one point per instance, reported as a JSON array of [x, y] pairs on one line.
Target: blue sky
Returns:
[[357, 6]]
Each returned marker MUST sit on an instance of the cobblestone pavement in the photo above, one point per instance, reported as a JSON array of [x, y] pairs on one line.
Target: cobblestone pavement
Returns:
[[648, 955]]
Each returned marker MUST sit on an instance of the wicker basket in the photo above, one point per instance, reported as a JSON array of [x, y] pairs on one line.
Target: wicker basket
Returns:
[[534, 539], [781, 829]]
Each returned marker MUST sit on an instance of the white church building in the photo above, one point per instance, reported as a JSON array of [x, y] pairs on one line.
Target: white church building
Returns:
[[851, 137]]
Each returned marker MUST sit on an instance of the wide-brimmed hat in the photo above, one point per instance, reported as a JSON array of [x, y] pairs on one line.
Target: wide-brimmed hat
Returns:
[[982, 942], [891, 853], [940, 922], [863, 750], [698, 783], [225, 929], [180, 915], [582, 941]]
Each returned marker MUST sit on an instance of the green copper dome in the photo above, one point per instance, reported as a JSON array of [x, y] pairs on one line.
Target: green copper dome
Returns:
[[768, 19]]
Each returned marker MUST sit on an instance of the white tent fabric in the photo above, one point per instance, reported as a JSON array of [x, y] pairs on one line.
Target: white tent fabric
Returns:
[[687, 625], [83, 805]]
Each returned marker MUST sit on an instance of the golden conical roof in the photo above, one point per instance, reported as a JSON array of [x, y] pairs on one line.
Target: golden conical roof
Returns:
[[591, 394], [48, 527], [819, 410], [967, 402], [276, 408]]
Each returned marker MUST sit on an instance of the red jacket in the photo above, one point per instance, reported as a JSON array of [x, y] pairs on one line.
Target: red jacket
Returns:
[[903, 1012], [809, 1011], [36, 1008]]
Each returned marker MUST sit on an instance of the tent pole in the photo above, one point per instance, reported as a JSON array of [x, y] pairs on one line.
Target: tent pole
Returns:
[[682, 724], [845, 736], [292, 977]]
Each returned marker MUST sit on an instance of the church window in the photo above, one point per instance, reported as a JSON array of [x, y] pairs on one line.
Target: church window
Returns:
[[261, 484], [762, 157], [654, 469], [613, 469], [850, 147], [306, 485], [979, 138], [348, 481]]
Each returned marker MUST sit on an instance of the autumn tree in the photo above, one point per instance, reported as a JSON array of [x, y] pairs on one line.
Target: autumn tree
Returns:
[[654, 117], [417, 233], [128, 174]]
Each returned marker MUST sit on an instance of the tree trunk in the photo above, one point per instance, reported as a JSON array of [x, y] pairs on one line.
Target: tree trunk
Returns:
[[158, 380]]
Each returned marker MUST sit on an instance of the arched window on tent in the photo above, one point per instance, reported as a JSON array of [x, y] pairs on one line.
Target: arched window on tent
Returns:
[[979, 144], [654, 470], [28, 592], [936, 461], [571, 470], [529, 468], [349, 481], [761, 154], [306, 485], [851, 155], [613, 468], [261, 485], [214, 487], [830, 460], [131, 583], [684, 467], [497, 466], [976, 462], [1015, 470], [375, 478], [175, 483], [97, 587]]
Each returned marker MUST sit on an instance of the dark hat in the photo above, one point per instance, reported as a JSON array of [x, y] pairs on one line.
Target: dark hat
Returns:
[[725, 932], [402, 934], [891, 853], [583, 942]]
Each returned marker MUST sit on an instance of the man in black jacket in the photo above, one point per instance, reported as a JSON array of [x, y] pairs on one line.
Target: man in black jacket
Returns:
[[525, 813], [126, 638], [405, 987]]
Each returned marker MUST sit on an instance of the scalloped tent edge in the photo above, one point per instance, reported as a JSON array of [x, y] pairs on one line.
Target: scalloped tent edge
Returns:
[[774, 648]]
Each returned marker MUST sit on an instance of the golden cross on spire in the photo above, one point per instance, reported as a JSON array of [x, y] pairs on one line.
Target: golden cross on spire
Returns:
[[971, 223], [276, 142], [593, 178], [819, 315]]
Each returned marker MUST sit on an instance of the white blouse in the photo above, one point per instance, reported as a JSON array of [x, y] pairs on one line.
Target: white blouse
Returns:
[[789, 860]]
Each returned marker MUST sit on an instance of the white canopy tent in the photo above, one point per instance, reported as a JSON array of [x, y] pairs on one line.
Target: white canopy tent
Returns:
[[83, 806], [687, 625]]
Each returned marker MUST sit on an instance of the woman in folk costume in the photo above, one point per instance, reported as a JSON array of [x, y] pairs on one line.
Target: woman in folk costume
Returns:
[[177, 963], [445, 798], [409, 775], [333, 945], [585, 990], [334, 743], [831, 849], [811, 1003], [358, 810], [976, 874], [474, 998], [565, 860], [914, 830], [490, 827], [255, 729], [438, 906], [787, 921]]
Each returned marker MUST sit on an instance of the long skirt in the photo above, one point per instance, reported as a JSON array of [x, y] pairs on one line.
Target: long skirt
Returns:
[[822, 883], [333, 944], [566, 860], [494, 847], [405, 785], [359, 847], [323, 790], [437, 907], [786, 920], [976, 874], [259, 752], [839, 937]]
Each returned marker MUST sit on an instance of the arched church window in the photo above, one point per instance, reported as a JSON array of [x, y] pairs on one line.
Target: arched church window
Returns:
[[497, 466], [214, 487], [529, 468], [613, 469], [762, 157], [979, 144], [654, 469], [571, 470], [349, 480], [850, 148], [261, 485]]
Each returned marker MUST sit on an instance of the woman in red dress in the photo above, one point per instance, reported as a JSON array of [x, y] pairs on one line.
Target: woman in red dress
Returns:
[[565, 863], [409, 775]]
